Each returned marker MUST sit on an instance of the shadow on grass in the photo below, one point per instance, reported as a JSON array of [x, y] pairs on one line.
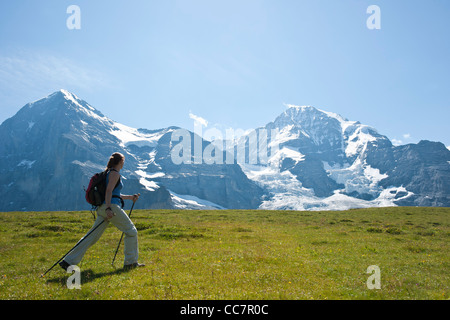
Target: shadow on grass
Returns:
[[88, 276]]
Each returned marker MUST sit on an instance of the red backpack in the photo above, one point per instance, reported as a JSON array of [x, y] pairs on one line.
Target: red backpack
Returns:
[[96, 190]]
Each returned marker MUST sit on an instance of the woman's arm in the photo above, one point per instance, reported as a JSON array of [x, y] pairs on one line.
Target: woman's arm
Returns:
[[133, 197]]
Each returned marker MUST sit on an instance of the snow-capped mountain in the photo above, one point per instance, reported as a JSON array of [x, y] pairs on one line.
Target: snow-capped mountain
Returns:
[[317, 160], [324, 162], [52, 147]]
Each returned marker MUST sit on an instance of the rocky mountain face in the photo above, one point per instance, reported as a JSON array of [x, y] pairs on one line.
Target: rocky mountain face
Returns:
[[422, 169], [316, 160]]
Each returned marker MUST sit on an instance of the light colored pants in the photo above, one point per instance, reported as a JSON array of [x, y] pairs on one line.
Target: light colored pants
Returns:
[[122, 222]]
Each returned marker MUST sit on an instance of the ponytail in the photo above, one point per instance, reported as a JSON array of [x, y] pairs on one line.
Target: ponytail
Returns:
[[114, 160]]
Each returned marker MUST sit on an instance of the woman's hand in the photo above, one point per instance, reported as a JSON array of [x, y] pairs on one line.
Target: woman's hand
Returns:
[[135, 197], [109, 213]]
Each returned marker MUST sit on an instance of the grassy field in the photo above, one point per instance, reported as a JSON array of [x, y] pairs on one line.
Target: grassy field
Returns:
[[234, 254]]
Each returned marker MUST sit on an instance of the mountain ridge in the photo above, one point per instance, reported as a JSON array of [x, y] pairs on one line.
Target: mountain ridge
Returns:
[[322, 161]]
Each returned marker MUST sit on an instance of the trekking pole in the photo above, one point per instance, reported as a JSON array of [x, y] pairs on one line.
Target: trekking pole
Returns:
[[115, 254], [81, 240]]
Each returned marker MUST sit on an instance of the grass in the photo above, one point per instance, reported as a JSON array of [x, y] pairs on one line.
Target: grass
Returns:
[[234, 254]]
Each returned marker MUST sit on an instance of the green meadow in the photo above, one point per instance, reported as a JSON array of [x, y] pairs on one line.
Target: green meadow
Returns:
[[234, 254]]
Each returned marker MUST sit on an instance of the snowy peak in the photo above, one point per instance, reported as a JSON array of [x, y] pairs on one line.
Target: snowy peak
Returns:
[[300, 114], [79, 105], [325, 130], [303, 116], [63, 101], [308, 117]]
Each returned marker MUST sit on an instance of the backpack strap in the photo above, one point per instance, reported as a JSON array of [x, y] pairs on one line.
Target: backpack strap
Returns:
[[114, 196], [118, 181], [121, 200]]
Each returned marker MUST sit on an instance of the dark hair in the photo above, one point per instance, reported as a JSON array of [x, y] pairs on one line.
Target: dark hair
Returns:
[[114, 160]]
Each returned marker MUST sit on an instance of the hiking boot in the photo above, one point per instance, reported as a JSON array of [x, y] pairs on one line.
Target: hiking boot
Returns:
[[63, 264], [133, 265]]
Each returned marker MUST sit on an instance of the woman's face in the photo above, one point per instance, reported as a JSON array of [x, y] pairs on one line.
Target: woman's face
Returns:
[[121, 163]]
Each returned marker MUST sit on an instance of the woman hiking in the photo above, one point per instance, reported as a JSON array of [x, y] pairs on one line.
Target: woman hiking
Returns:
[[111, 211]]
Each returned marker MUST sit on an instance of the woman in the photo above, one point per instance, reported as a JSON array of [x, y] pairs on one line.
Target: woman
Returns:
[[111, 211]]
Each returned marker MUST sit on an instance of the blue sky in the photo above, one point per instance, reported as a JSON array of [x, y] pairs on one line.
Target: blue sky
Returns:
[[150, 64]]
